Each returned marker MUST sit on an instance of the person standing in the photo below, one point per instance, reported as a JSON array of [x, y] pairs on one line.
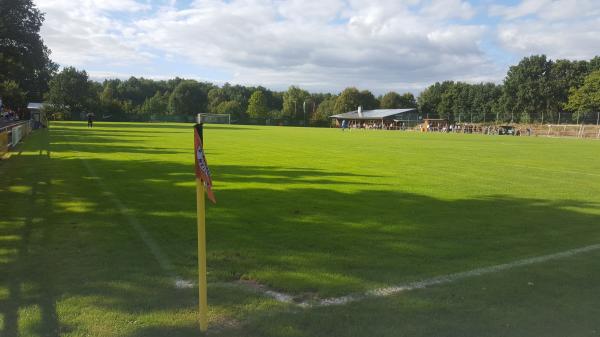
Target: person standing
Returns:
[[90, 120]]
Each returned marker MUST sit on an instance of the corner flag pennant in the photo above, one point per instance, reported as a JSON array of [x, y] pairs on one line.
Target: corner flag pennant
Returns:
[[202, 171]]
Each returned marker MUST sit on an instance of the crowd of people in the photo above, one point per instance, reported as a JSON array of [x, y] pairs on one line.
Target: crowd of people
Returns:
[[444, 128], [480, 129], [372, 125], [9, 115]]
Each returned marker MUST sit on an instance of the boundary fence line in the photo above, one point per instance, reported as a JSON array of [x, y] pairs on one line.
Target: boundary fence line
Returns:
[[11, 135]]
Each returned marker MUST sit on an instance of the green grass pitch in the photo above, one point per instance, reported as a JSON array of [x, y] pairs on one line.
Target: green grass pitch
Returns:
[[314, 213]]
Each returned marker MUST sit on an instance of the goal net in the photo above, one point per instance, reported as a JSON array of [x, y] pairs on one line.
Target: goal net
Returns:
[[214, 118]]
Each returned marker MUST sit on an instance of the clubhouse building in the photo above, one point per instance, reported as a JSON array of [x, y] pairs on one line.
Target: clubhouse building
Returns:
[[378, 118]]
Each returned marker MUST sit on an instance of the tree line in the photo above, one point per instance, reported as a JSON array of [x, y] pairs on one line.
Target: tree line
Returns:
[[71, 92], [537, 89]]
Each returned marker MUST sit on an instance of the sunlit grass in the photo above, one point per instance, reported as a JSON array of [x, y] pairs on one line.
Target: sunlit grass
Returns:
[[312, 212]]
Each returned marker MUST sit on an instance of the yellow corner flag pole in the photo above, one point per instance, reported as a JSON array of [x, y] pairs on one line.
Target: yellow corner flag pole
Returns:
[[202, 301]]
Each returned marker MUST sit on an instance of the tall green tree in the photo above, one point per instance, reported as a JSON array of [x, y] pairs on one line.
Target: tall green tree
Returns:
[[324, 110], [156, 104], [293, 102], [368, 100], [24, 58], [188, 98], [408, 100], [216, 96], [594, 64], [12, 95], [564, 75], [233, 108], [528, 88], [390, 100], [348, 100], [430, 99], [585, 100], [257, 105], [70, 93]]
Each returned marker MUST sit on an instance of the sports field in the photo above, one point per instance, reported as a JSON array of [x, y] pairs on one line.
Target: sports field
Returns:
[[98, 236]]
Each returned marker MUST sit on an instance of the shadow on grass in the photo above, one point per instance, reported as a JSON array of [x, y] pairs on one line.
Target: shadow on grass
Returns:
[[21, 224], [64, 238], [139, 125]]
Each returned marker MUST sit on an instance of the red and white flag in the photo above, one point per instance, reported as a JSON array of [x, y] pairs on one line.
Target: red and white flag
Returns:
[[202, 171]]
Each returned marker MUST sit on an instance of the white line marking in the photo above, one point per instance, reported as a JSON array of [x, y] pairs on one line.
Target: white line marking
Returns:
[[444, 279], [163, 261], [279, 296], [183, 284]]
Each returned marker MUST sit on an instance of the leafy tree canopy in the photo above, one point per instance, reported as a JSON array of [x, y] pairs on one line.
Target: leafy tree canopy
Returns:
[[586, 99], [293, 101], [257, 105], [348, 100], [69, 92], [24, 58], [188, 98]]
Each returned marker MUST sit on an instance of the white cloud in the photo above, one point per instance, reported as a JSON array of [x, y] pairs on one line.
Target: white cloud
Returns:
[[269, 43], [443, 9], [83, 32], [549, 9], [321, 45], [557, 28], [572, 40]]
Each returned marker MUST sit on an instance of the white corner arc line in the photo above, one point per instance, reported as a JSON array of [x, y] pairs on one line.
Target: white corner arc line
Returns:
[[438, 280], [450, 278]]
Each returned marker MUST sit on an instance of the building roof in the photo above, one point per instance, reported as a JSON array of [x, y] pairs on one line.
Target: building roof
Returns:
[[371, 114], [35, 106]]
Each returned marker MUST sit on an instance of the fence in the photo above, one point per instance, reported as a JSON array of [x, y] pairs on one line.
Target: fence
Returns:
[[562, 117], [568, 130], [12, 134]]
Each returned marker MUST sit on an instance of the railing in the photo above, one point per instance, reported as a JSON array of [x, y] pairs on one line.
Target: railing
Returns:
[[12, 134]]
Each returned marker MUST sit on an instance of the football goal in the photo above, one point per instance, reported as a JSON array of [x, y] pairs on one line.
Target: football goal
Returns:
[[214, 118]]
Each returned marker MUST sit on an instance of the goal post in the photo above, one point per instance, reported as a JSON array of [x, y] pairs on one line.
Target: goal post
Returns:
[[214, 118]]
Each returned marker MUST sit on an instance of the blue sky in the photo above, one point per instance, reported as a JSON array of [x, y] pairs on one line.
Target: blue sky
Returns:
[[320, 45]]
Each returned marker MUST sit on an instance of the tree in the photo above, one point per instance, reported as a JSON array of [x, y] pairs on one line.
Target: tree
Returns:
[[237, 93], [348, 100], [156, 104], [188, 98], [230, 107], [368, 101], [293, 100], [407, 100], [324, 110], [257, 105], [24, 58], [12, 95], [485, 101], [586, 99], [216, 96], [528, 89], [594, 64], [391, 100], [69, 92], [565, 75], [430, 99]]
